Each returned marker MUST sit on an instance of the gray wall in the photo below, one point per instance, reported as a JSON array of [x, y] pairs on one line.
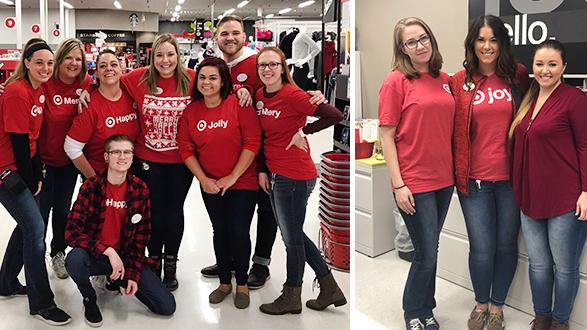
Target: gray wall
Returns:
[[114, 20], [374, 22], [30, 17]]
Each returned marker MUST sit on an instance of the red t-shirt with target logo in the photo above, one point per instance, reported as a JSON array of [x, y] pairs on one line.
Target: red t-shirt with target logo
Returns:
[[281, 115], [217, 136], [244, 74], [102, 119], [423, 111], [21, 111], [114, 214], [159, 115], [490, 121], [60, 110]]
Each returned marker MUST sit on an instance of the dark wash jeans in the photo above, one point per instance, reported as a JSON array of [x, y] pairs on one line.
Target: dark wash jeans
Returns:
[[493, 226], [26, 246], [151, 291], [231, 217], [58, 186], [168, 187], [266, 229], [289, 199], [554, 248], [424, 227]]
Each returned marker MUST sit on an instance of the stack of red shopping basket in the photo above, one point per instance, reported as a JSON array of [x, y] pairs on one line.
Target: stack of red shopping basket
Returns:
[[335, 221]]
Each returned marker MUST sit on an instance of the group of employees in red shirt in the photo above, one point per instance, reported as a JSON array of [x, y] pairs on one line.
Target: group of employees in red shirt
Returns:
[[48, 137], [500, 140]]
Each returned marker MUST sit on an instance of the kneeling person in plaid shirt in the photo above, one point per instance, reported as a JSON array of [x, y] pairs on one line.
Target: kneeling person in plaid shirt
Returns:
[[108, 228]]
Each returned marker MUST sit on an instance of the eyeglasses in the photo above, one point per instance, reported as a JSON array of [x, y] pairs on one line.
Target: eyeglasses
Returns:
[[413, 43], [272, 66], [118, 153]]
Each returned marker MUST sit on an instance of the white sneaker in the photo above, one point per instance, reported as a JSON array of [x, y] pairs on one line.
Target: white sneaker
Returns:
[[58, 265]]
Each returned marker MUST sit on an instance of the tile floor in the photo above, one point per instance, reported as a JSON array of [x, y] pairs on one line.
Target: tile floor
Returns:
[[193, 309]]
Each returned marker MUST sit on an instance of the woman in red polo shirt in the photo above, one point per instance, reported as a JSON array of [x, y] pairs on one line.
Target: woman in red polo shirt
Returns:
[[550, 138], [283, 109], [69, 78], [416, 113], [111, 111], [487, 94], [218, 141]]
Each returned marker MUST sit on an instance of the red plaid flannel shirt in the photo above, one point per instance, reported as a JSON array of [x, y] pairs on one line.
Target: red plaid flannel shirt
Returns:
[[85, 220]]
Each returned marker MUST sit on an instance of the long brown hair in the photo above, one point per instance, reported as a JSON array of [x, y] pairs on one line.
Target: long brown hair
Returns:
[[151, 74], [21, 71], [64, 49], [534, 87], [401, 60], [285, 75]]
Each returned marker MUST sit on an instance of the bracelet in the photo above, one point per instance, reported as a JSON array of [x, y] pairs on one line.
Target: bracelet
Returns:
[[400, 187], [302, 134]]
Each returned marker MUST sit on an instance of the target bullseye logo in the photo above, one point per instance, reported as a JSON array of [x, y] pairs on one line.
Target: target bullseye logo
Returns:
[[58, 100], [201, 125], [110, 121]]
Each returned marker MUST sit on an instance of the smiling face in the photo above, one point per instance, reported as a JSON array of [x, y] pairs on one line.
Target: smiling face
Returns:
[[40, 67], [230, 38], [119, 155], [165, 60], [209, 81], [108, 70], [271, 77], [71, 66], [548, 67], [419, 55], [487, 47]]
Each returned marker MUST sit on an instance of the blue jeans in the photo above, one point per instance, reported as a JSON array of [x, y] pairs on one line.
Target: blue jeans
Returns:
[[58, 186], [289, 199], [554, 247], [424, 227], [26, 246], [231, 217], [492, 218], [151, 291]]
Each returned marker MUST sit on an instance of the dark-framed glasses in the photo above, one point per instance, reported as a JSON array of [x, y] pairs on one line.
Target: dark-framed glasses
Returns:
[[413, 43], [272, 66]]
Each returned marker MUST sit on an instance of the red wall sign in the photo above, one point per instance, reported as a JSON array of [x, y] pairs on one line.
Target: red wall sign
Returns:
[[10, 22], [56, 33], [36, 28]]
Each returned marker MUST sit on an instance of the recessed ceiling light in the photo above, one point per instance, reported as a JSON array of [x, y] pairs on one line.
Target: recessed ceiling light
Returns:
[[177, 8], [242, 4], [306, 3], [284, 11], [117, 5], [269, 16], [7, 2], [180, 2], [228, 12], [67, 5]]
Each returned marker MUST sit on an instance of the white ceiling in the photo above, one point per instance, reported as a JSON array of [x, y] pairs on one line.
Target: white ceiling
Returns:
[[193, 8]]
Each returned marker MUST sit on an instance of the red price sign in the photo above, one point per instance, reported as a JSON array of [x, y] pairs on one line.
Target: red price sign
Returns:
[[56, 33], [36, 28], [10, 22]]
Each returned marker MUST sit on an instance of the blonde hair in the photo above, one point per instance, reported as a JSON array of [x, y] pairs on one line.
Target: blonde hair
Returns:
[[21, 71], [64, 49], [401, 60], [151, 74]]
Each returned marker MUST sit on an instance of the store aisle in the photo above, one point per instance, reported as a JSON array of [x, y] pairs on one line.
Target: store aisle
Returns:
[[379, 288], [193, 309]]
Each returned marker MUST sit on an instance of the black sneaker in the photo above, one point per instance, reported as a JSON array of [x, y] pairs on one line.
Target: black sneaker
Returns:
[[92, 313], [53, 316], [210, 271], [19, 292], [258, 276]]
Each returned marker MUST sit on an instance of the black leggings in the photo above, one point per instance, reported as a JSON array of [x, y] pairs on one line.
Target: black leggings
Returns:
[[231, 217], [168, 186]]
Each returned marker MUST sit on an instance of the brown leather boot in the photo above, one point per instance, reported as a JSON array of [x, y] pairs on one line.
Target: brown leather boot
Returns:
[[329, 294], [290, 301], [558, 325], [541, 322]]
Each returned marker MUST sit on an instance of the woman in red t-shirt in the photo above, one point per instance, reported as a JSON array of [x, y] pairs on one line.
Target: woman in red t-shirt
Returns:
[[111, 111], [162, 91], [487, 93], [416, 113], [549, 177], [283, 109], [218, 141], [21, 114], [62, 91]]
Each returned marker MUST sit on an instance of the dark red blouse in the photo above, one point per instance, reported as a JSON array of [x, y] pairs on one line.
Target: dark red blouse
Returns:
[[550, 155]]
